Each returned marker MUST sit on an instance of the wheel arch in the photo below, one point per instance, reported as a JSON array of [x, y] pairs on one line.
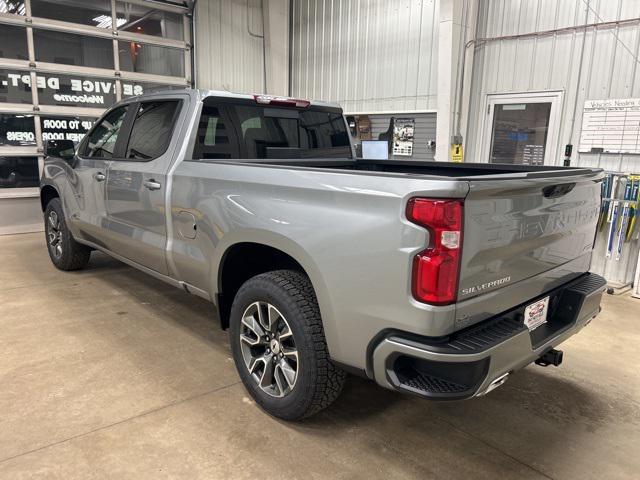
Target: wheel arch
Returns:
[[47, 193], [256, 253]]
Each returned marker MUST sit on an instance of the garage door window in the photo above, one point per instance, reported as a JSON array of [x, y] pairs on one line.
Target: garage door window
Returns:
[[154, 59], [15, 86], [19, 172], [96, 13], [15, 7], [76, 90], [72, 49], [17, 130], [14, 42], [149, 21]]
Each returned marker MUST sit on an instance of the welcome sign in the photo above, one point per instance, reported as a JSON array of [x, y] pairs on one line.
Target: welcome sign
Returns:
[[65, 89]]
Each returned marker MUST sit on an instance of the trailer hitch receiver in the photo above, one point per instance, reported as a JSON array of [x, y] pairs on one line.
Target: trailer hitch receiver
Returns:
[[550, 357]]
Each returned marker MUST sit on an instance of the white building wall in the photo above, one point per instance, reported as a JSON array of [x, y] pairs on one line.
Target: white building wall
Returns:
[[368, 55], [552, 62]]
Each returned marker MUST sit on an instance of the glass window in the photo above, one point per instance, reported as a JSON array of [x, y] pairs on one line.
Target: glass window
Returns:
[[65, 128], [75, 90], [15, 86], [130, 89], [18, 130], [149, 21], [96, 13], [151, 131], [215, 138], [520, 133], [268, 132], [101, 142], [19, 172], [72, 49], [14, 42], [143, 58], [12, 6]]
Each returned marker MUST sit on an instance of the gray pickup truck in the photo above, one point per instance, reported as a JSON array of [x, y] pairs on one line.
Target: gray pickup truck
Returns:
[[436, 279]]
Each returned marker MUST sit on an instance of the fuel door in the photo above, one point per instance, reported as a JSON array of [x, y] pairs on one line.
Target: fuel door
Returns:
[[186, 223]]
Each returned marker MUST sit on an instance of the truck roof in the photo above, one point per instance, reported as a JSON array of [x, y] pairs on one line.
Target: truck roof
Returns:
[[202, 94]]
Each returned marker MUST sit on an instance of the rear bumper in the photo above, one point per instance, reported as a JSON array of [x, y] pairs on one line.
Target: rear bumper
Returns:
[[473, 361]]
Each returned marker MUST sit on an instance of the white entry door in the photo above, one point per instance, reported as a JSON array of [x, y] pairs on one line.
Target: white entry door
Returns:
[[522, 128]]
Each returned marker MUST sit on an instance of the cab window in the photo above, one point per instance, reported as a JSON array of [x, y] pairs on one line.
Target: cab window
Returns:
[[101, 142]]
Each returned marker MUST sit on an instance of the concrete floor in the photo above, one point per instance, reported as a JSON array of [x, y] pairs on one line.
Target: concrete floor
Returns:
[[109, 373]]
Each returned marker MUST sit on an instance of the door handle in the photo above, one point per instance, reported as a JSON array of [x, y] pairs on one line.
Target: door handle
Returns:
[[99, 176], [151, 184]]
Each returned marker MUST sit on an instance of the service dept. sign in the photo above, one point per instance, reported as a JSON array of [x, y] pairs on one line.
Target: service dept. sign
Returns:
[[67, 89]]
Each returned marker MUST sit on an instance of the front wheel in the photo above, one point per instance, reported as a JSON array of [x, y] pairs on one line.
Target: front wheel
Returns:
[[64, 251], [279, 347]]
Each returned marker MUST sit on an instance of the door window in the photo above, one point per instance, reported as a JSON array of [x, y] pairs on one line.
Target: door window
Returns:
[[151, 131], [101, 142], [519, 134]]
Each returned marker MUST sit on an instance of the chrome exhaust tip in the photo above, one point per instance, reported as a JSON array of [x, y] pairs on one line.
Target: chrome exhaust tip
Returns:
[[495, 384]]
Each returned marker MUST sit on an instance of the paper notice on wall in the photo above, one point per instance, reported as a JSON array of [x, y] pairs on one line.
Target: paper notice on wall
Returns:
[[533, 155], [611, 126], [403, 129]]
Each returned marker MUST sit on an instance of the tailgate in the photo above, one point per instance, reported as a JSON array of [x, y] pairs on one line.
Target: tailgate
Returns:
[[518, 228]]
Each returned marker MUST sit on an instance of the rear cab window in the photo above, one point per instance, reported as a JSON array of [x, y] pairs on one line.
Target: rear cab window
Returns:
[[247, 130]]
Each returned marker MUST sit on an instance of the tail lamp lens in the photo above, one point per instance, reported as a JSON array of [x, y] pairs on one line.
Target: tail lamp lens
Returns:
[[436, 269]]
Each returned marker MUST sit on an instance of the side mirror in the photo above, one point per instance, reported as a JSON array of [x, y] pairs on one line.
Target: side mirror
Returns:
[[64, 149]]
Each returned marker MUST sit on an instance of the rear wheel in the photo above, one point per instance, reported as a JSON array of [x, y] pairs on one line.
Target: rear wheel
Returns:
[[279, 347], [64, 251]]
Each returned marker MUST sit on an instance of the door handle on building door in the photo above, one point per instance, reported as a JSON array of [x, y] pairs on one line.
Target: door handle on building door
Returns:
[[151, 184]]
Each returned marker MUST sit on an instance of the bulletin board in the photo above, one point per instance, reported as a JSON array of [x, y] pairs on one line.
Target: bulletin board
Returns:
[[611, 126]]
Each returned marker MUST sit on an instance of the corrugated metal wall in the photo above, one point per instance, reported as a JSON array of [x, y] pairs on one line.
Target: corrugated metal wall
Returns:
[[228, 57], [425, 130], [552, 62], [368, 55], [609, 69]]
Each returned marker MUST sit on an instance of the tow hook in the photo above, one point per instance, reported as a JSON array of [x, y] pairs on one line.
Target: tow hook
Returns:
[[551, 357]]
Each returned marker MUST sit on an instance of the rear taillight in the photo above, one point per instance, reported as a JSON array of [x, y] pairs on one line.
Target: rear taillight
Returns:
[[436, 270]]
